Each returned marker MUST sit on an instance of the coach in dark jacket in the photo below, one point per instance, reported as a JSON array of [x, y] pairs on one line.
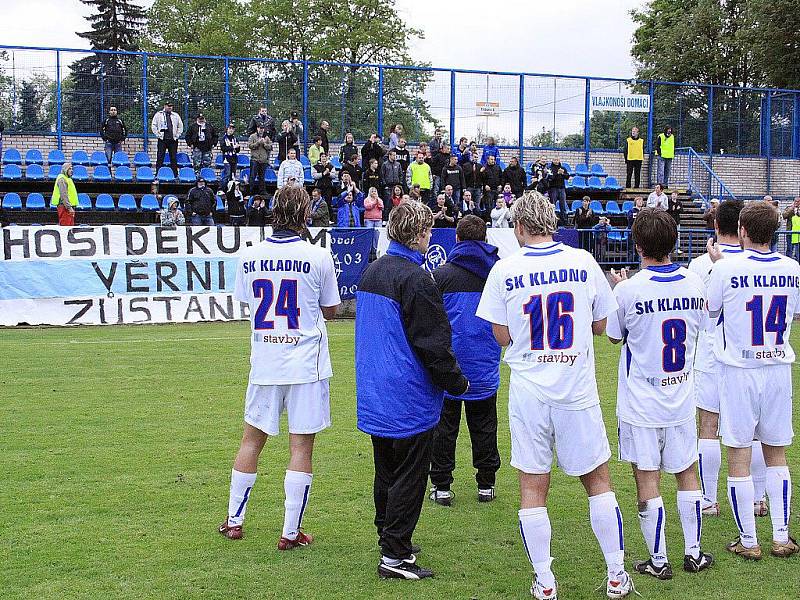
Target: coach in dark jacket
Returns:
[[514, 175], [401, 321], [461, 282]]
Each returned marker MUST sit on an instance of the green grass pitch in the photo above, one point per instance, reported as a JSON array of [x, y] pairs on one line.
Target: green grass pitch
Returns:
[[115, 457]]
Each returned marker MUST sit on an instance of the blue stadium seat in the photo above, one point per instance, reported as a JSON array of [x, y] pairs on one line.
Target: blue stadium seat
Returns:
[[183, 160], [567, 167], [84, 202], [80, 173], [53, 171], [141, 159], [127, 202], [612, 184], [208, 174], [12, 157], [598, 170], [337, 164], [501, 164], [149, 202], [304, 161], [56, 157], [567, 184], [101, 173], [612, 208], [34, 157], [104, 202], [579, 182], [12, 171], [244, 174], [270, 176], [595, 183], [220, 204], [185, 175], [219, 162], [167, 199], [307, 178], [34, 172], [582, 170], [34, 201], [12, 201], [145, 174], [165, 174], [120, 159], [576, 204], [98, 157], [627, 205], [617, 236], [242, 160], [123, 173], [80, 157], [597, 207]]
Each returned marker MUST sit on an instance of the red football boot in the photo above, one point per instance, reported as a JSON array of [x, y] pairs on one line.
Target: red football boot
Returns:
[[232, 532], [302, 539]]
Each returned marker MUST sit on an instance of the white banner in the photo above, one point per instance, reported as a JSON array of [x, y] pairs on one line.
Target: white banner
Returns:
[[621, 102], [487, 109]]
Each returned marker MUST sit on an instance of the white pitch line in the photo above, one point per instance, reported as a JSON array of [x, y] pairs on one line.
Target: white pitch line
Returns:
[[154, 340]]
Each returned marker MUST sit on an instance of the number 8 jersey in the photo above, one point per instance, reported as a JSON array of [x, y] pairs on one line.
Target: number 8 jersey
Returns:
[[285, 281], [661, 312]]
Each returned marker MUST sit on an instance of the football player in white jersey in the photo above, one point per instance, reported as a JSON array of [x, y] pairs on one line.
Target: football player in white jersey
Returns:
[[290, 286], [655, 389], [755, 296], [706, 377], [544, 303]]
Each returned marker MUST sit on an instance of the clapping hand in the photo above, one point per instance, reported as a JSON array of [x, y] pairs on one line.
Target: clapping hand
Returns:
[[714, 252], [617, 277]]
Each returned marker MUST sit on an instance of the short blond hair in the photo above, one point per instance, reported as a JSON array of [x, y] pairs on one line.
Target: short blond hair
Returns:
[[408, 221], [535, 213]]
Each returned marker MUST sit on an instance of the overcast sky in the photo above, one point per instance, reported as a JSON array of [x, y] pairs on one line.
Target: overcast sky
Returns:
[[571, 37]]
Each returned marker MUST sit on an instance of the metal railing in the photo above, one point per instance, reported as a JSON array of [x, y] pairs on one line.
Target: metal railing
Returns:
[[692, 172]]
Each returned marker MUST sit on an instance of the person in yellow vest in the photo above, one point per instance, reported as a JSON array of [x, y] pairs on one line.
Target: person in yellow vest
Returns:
[[792, 217], [65, 196], [634, 154], [664, 149], [419, 173]]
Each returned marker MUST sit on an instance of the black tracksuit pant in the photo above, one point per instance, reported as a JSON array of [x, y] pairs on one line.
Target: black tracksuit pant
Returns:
[[401, 478], [633, 169], [482, 424]]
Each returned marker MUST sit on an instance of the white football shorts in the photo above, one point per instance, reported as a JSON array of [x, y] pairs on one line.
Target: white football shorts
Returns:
[[756, 404], [672, 449], [307, 405], [706, 391], [578, 436]]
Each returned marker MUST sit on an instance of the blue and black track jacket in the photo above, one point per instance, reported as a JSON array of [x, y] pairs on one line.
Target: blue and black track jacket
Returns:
[[461, 282], [404, 358]]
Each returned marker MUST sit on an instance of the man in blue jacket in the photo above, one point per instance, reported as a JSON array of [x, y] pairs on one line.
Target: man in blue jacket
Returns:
[[401, 321], [461, 282]]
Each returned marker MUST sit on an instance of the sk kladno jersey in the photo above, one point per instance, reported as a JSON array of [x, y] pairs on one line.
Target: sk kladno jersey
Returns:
[[285, 280], [461, 282], [661, 313], [756, 295], [704, 360], [548, 295]]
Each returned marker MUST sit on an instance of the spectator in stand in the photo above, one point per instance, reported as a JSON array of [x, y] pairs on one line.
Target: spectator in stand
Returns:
[[395, 135], [353, 169], [264, 118], [260, 148], [373, 209], [436, 141], [792, 218], [444, 214], [415, 194], [501, 215], [201, 137], [323, 174], [600, 233], [664, 149], [291, 170], [453, 175], [490, 149], [585, 219], [449, 196], [638, 204], [710, 215], [507, 195], [541, 176], [419, 173], [395, 200], [634, 155], [167, 126], [348, 215], [348, 149], [346, 185], [658, 199], [371, 176], [391, 175], [172, 215], [315, 150], [201, 204], [258, 215], [324, 127], [230, 148], [472, 177], [461, 149], [286, 140], [297, 129], [558, 190], [403, 155], [468, 206], [675, 208], [372, 149], [492, 180], [235, 204], [320, 213], [514, 175], [438, 161], [65, 196], [113, 133]]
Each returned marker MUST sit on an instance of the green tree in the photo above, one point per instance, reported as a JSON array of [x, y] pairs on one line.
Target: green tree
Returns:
[[776, 42], [35, 108]]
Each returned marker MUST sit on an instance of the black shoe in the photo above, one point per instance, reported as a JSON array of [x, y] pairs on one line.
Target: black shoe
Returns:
[[407, 569], [646, 567], [441, 497], [486, 494], [695, 565]]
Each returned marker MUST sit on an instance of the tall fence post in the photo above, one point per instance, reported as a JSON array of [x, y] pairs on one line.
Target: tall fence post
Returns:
[[796, 127], [380, 102], [186, 93], [58, 98], [710, 132], [650, 119], [586, 121], [452, 107], [768, 133], [522, 121], [305, 105], [145, 128], [227, 93], [102, 88]]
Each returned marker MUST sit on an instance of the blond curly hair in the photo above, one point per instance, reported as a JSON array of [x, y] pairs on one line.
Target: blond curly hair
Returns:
[[407, 221], [535, 213]]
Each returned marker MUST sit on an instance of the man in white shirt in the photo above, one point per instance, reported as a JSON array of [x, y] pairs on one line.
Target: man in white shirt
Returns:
[[755, 296], [290, 286], [291, 171], [549, 299], [661, 312], [658, 199]]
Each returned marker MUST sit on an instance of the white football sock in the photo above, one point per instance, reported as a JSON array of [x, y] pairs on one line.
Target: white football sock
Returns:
[[534, 527], [779, 490], [740, 495], [758, 471], [241, 486], [606, 520], [690, 511], [296, 485], [710, 461], [651, 520]]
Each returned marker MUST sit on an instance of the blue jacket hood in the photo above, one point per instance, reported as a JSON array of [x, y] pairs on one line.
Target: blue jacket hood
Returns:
[[476, 257]]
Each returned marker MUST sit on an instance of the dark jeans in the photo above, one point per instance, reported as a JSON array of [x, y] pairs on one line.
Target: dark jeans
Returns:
[[239, 221], [163, 147], [257, 183], [110, 148], [558, 196], [793, 251], [482, 424], [200, 220], [401, 478], [229, 170], [634, 168]]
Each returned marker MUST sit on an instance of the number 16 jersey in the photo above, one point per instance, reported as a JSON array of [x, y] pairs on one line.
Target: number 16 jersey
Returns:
[[285, 281]]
